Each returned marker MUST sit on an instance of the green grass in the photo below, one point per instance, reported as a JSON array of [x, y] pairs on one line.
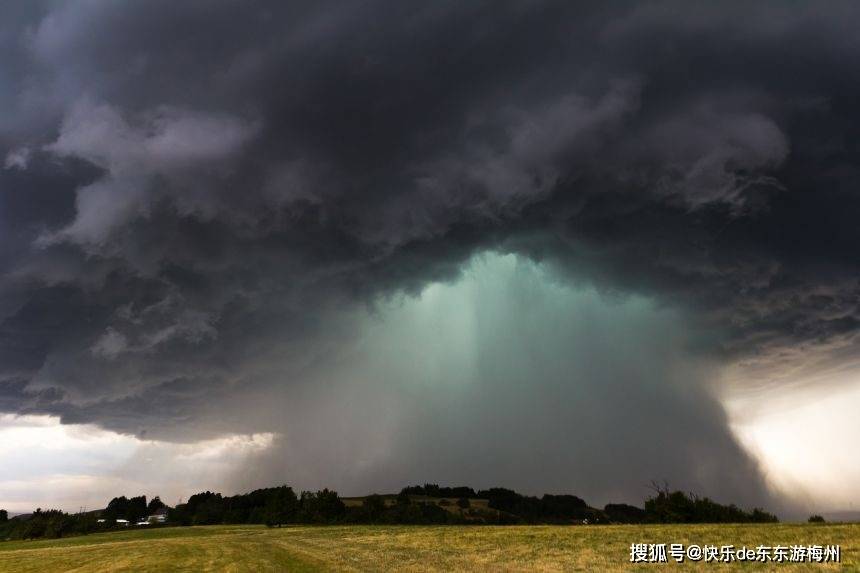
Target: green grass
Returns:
[[412, 548]]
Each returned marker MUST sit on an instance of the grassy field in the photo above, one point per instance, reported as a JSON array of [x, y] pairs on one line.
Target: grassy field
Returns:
[[412, 548]]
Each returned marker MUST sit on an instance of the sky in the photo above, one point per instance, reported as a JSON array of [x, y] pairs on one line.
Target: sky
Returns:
[[555, 246]]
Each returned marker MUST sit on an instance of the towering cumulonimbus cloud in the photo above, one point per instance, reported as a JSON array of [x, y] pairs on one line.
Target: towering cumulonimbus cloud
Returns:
[[209, 213]]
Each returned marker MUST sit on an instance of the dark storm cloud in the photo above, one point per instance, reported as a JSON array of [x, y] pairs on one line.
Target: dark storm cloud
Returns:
[[192, 193]]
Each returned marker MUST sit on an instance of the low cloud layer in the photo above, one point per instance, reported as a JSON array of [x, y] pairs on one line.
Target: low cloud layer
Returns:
[[202, 205]]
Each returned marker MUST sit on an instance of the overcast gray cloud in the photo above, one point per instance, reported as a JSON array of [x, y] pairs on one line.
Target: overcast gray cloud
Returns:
[[204, 205]]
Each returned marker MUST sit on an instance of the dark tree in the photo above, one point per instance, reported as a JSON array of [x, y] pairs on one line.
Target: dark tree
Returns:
[[115, 508], [329, 505], [624, 513], [180, 515], [509, 501], [323, 506], [563, 507], [434, 490], [133, 509], [4, 516], [154, 505], [679, 507], [374, 507], [281, 506]]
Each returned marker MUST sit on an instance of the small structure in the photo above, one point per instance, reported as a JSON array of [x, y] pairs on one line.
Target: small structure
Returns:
[[122, 522], [160, 516]]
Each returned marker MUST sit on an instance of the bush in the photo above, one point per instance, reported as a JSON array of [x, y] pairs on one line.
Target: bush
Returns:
[[374, 507], [816, 519]]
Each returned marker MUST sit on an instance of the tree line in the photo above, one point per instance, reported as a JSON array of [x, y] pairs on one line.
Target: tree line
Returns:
[[427, 504], [49, 524]]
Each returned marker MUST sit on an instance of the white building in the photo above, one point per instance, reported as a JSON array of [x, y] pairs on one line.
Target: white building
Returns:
[[160, 516]]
